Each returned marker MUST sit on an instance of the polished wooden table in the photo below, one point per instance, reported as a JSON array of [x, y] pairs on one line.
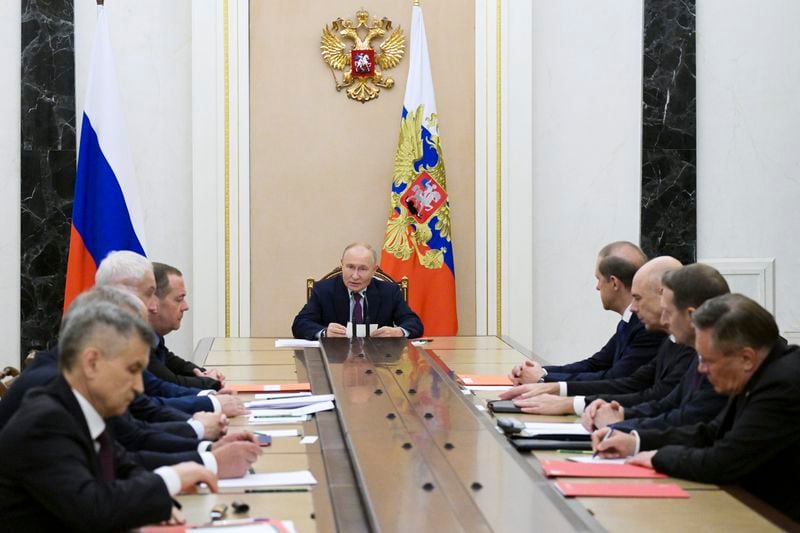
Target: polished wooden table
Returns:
[[407, 450]]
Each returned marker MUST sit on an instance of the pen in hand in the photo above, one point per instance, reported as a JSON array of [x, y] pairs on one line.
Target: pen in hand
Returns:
[[605, 438]]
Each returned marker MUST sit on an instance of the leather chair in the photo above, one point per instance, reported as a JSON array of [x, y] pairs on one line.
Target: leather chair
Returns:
[[379, 274]]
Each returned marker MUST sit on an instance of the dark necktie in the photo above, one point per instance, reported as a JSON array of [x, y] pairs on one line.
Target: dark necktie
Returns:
[[106, 456], [622, 327], [358, 313]]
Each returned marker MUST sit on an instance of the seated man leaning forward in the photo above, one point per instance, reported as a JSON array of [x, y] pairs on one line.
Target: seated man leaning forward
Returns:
[[754, 441], [357, 297]]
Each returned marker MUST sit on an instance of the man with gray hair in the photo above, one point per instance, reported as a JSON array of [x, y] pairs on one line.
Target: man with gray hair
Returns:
[[754, 441], [356, 296], [135, 272], [66, 471]]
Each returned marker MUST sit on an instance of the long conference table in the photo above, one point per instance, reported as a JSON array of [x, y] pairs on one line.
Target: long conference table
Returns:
[[408, 449]]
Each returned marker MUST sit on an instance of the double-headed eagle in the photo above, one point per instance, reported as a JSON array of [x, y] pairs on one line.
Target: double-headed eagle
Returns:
[[361, 66]]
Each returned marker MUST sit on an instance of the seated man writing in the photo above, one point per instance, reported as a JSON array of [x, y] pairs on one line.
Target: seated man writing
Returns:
[[357, 297], [754, 441]]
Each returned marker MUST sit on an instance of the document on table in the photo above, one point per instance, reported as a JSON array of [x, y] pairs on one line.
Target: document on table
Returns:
[[622, 490], [273, 395], [295, 343], [241, 525], [596, 460], [272, 420], [572, 469], [275, 479], [554, 428], [289, 403], [299, 411], [278, 432]]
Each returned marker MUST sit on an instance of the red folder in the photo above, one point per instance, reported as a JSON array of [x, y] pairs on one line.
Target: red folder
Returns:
[[570, 469], [622, 490], [477, 380], [256, 387]]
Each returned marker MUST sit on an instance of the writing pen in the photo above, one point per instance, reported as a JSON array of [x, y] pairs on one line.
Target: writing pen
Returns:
[[604, 439]]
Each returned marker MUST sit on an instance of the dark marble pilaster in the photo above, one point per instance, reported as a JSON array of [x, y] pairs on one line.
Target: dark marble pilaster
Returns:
[[669, 156], [48, 164]]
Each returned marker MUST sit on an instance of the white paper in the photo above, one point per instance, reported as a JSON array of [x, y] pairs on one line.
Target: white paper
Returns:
[[295, 343], [278, 432], [313, 408], [595, 460], [537, 428], [289, 403], [273, 395], [277, 479], [478, 388], [309, 439], [272, 420], [361, 330], [243, 525]]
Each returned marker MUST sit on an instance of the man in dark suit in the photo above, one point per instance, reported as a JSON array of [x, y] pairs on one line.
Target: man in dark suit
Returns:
[[754, 441], [62, 470], [172, 304], [630, 347], [650, 381], [694, 399], [356, 297]]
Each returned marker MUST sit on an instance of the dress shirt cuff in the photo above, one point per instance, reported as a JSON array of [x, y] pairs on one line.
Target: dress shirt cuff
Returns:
[[204, 446], [209, 461], [405, 332], [562, 388], [579, 404], [207, 392], [198, 427], [215, 403], [638, 442], [320, 333], [171, 479]]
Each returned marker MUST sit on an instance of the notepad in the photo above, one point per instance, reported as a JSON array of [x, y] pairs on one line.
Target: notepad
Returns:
[[290, 402], [276, 479], [255, 387], [573, 469], [622, 490], [295, 343], [484, 380]]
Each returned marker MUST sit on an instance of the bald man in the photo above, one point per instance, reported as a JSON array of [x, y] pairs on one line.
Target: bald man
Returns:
[[631, 346], [356, 296], [651, 381]]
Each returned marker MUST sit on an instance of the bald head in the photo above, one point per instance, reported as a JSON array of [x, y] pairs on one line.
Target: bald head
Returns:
[[646, 291], [625, 250]]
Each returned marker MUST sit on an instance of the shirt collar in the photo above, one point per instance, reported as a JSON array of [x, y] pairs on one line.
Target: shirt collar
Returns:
[[93, 419], [626, 314], [673, 339], [362, 292]]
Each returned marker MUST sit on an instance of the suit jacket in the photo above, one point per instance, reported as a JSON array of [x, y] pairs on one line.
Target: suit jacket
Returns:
[[330, 302], [169, 367], [171, 395], [51, 477], [754, 442], [693, 400], [620, 357], [651, 381]]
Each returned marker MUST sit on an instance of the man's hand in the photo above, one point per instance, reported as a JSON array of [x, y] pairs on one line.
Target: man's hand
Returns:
[[234, 458], [529, 390], [239, 436], [231, 405], [608, 414], [619, 444], [387, 331], [545, 404], [191, 474], [336, 330], [527, 372], [214, 373], [214, 424], [589, 412], [643, 459]]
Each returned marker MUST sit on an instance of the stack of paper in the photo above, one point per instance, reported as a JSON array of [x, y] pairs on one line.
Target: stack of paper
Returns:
[[272, 410], [281, 387], [475, 382], [555, 430], [295, 343], [572, 469], [277, 479]]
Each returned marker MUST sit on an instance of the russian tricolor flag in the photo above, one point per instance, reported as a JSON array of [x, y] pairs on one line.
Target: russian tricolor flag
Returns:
[[106, 215]]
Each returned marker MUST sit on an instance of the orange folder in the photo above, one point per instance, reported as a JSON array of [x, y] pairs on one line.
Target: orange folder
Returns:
[[256, 387], [484, 381], [622, 490], [570, 469]]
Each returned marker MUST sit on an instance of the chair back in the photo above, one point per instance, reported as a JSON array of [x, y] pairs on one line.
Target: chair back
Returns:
[[379, 274]]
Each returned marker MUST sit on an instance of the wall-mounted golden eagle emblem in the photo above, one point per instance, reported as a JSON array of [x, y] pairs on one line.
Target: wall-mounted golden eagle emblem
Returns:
[[361, 66]]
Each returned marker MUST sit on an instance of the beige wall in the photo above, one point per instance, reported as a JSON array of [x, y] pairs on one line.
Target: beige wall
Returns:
[[321, 164]]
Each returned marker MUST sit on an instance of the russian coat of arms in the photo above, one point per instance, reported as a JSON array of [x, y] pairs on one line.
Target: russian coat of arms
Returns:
[[361, 67]]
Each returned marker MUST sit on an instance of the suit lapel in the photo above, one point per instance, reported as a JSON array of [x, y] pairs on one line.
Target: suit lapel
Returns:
[[373, 302], [341, 302], [63, 392]]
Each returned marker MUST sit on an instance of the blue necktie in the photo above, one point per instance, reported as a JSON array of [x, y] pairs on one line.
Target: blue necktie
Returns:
[[621, 338]]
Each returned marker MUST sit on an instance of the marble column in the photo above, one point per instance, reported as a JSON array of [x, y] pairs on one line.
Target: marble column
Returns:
[[48, 164], [669, 141]]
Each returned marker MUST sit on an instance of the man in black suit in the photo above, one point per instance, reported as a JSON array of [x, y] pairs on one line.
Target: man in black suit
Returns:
[[356, 297], [61, 469], [754, 441], [630, 347], [172, 304], [694, 399], [652, 380]]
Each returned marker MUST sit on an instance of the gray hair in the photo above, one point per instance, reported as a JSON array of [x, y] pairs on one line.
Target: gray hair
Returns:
[[122, 268], [362, 245], [737, 322], [117, 295], [99, 322]]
